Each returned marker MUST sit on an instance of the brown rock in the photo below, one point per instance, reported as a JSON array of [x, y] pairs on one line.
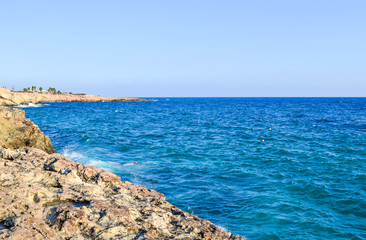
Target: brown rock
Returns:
[[47, 196], [16, 131]]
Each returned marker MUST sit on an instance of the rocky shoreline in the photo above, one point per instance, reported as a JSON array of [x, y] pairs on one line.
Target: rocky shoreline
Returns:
[[9, 98], [44, 195]]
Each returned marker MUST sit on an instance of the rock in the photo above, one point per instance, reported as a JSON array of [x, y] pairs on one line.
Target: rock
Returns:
[[9, 154], [9, 98], [17, 131], [48, 196]]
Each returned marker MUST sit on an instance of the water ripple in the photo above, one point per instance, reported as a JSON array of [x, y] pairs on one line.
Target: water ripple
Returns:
[[306, 180]]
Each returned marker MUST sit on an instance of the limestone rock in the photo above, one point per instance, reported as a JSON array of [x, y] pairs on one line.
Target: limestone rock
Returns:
[[9, 98], [17, 131], [47, 196]]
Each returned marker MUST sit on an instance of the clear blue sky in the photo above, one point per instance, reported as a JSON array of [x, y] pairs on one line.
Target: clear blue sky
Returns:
[[186, 48]]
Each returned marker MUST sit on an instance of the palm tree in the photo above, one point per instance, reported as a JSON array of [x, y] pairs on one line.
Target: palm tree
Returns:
[[52, 90]]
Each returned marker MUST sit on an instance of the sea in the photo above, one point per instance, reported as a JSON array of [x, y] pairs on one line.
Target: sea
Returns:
[[261, 168]]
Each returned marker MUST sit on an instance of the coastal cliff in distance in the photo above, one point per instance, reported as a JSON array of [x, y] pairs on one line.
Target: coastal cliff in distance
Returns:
[[44, 195], [10, 98]]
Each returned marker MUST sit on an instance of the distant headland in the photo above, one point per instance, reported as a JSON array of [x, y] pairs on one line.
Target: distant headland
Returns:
[[34, 95]]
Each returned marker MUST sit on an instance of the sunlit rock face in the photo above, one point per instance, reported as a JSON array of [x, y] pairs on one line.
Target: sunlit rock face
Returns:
[[17, 131]]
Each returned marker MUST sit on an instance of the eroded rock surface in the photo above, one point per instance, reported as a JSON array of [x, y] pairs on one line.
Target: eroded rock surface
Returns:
[[47, 196], [17, 131]]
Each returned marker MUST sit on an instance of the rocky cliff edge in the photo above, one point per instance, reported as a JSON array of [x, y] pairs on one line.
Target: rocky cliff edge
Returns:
[[17, 131], [44, 195]]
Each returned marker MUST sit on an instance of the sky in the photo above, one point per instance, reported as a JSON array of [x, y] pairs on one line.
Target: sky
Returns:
[[186, 48]]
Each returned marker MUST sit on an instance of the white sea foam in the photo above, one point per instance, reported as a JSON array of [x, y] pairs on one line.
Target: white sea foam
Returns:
[[222, 228], [76, 156], [128, 164], [29, 105], [102, 164], [118, 111], [69, 152]]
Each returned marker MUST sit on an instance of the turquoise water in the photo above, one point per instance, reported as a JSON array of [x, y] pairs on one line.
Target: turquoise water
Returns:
[[306, 180]]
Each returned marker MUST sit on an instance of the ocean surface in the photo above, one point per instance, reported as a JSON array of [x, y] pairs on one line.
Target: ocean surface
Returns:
[[305, 180]]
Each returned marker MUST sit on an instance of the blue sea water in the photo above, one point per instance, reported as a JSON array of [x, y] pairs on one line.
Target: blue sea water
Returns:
[[306, 180]]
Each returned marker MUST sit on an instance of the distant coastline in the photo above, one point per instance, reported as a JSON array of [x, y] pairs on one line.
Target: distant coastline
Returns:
[[13, 98]]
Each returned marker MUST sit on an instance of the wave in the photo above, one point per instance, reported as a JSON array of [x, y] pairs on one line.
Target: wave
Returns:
[[30, 105], [118, 111], [222, 228], [109, 166], [85, 159], [76, 156], [129, 164]]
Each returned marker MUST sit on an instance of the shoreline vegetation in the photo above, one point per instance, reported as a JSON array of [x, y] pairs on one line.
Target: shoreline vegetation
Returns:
[[14, 98], [44, 195]]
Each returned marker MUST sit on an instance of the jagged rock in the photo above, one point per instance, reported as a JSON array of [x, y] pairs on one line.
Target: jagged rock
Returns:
[[17, 131], [47, 196]]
